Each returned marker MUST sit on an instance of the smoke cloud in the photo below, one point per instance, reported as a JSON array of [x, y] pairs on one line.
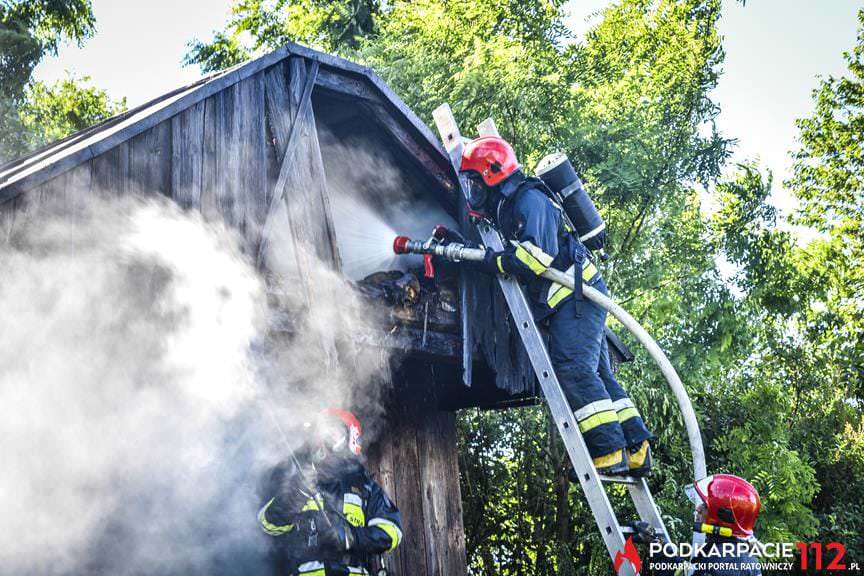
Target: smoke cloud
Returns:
[[143, 389]]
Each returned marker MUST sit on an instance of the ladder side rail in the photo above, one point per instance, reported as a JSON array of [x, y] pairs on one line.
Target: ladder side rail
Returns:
[[564, 418], [647, 508], [565, 421]]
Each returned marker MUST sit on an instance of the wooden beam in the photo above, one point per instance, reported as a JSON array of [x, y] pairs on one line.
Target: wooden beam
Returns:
[[438, 168], [292, 143], [346, 85]]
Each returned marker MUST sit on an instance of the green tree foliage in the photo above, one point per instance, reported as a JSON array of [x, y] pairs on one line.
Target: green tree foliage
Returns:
[[828, 179], [765, 333], [30, 30], [51, 112], [329, 25]]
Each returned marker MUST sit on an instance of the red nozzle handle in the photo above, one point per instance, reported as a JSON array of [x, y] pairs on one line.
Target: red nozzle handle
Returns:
[[400, 244], [428, 268]]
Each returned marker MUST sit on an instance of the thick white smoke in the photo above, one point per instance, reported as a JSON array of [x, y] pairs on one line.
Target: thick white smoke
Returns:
[[138, 386]]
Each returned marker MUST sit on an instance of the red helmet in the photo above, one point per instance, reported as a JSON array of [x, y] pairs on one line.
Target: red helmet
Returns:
[[731, 502], [353, 431], [491, 157]]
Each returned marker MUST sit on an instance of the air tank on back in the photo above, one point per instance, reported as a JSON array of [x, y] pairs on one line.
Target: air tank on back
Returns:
[[558, 174]]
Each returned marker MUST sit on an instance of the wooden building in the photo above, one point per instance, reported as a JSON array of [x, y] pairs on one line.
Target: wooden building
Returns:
[[256, 145]]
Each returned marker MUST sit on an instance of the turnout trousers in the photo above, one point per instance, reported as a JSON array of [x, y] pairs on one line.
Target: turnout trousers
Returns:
[[607, 417]]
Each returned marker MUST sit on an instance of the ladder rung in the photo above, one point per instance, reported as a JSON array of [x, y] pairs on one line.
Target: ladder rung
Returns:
[[619, 479]]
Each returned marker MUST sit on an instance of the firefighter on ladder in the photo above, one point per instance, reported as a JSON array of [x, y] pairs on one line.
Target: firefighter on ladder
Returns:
[[325, 514], [540, 237]]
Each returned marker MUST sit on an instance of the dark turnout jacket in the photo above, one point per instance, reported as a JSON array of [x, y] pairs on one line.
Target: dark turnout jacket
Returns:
[[539, 238], [292, 517]]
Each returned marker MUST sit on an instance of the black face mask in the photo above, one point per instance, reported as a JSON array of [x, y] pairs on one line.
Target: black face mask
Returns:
[[478, 193]]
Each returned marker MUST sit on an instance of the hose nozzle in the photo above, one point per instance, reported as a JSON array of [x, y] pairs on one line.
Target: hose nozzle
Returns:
[[400, 244], [454, 251]]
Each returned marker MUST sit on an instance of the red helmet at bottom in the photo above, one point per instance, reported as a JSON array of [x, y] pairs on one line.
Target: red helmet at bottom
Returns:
[[731, 502], [333, 431], [353, 431]]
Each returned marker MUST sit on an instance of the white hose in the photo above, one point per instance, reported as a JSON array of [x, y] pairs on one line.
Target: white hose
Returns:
[[654, 350], [458, 252]]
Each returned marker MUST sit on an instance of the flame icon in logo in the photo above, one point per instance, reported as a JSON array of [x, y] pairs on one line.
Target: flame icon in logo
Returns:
[[631, 555]]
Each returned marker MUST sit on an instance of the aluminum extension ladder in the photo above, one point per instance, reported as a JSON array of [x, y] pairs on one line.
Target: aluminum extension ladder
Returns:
[[614, 534]]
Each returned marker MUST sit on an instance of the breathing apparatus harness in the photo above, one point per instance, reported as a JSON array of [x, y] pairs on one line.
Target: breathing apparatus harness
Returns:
[[557, 179]]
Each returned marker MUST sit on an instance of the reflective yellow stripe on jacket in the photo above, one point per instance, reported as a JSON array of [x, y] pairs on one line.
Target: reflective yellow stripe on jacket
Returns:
[[352, 509], [532, 256], [315, 504], [267, 526], [311, 569], [558, 292], [390, 528], [318, 569]]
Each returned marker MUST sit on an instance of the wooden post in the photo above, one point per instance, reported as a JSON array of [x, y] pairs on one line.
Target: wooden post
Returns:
[[416, 461]]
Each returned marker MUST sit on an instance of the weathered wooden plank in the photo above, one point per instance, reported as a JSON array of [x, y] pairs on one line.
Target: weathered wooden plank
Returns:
[[79, 185], [251, 153], [346, 85], [63, 194], [382, 467], [280, 112], [439, 476], [7, 220], [111, 172], [234, 165], [187, 156], [290, 105], [220, 191], [150, 161], [406, 460]]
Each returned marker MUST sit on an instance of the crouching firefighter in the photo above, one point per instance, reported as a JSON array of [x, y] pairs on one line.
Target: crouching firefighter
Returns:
[[540, 236], [325, 514]]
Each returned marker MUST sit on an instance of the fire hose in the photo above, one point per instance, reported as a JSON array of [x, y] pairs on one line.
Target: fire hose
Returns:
[[456, 252]]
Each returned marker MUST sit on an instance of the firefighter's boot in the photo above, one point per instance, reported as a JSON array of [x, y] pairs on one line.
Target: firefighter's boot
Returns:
[[640, 459], [614, 464]]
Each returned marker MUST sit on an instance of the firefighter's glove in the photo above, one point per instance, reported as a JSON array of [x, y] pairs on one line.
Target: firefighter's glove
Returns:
[[489, 264], [337, 536], [448, 236]]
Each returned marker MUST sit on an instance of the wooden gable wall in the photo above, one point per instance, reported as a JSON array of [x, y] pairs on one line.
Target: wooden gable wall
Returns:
[[232, 156]]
